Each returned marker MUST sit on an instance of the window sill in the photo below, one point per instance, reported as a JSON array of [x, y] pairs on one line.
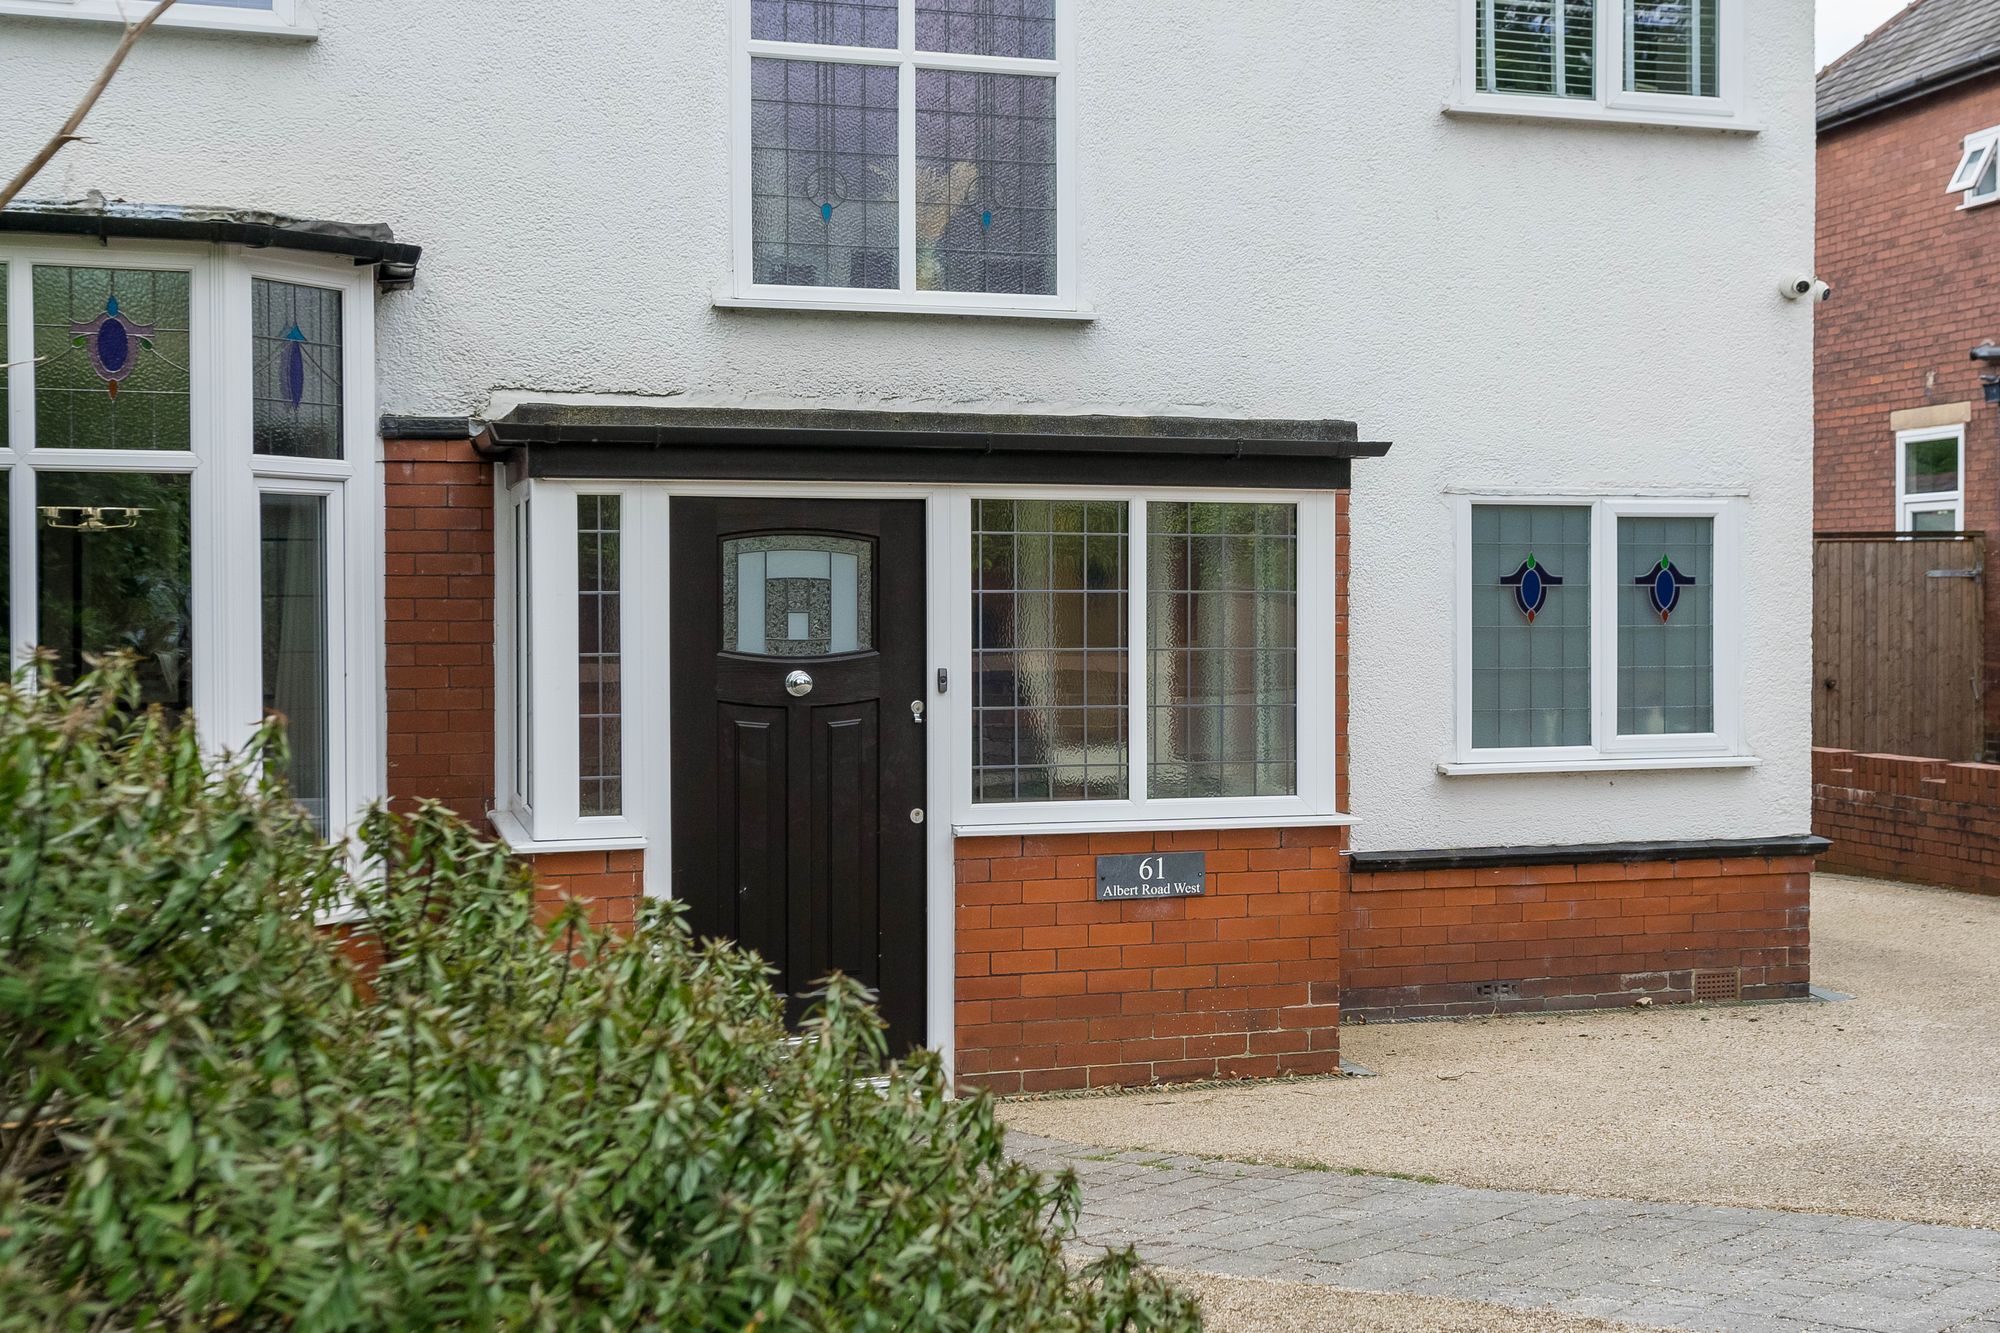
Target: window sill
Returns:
[[522, 843], [848, 306], [1044, 828], [191, 17], [1632, 764], [1555, 109]]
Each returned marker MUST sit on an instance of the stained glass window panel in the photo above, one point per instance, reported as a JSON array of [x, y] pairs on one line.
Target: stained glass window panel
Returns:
[[1530, 626], [1049, 649], [798, 595], [295, 370], [115, 345], [870, 23], [823, 174], [986, 183], [1666, 626], [296, 666], [1541, 47], [113, 575], [1673, 46], [1222, 650], [600, 649], [1021, 28]]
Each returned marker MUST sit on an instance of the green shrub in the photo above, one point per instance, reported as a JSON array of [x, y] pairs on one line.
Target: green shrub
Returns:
[[208, 1117]]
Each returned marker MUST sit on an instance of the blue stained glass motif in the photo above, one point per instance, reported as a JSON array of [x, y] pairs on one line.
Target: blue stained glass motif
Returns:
[[109, 339], [296, 370], [1664, 582], [295, 365], [1531, 584]]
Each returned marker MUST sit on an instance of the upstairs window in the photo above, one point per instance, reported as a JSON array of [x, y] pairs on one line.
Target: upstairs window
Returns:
[[1978, 174], [1930, 481], [278, 18], [1647, 61], [909, 156]]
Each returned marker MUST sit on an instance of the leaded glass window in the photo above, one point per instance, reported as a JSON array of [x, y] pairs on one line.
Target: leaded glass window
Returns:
[[870, 23], [823, 176], [600, 650], [297, 668], [1050, 632], [1541, 47], [1666, 626], [113, 573], [986, 183], [1222, 649], [1673, 46], [1531, 644], [1023, 29], [295, 370], [114, 350]]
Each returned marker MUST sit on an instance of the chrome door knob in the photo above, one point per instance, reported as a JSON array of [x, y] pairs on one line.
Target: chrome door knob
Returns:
[[798, 685]]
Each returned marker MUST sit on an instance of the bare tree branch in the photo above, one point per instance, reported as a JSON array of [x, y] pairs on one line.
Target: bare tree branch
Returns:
[[68, 133]]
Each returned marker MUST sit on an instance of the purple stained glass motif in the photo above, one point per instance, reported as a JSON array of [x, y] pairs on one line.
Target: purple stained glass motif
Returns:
[[869, 23], [823, 174], [113, 342], [986, 183], [1020, 28], [296, 370]]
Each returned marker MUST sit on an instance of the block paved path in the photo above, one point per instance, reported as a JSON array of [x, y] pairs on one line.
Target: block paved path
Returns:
[[1669, 1265]]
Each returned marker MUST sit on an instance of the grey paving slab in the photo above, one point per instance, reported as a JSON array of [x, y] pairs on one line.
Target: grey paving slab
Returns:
[[1687, 1266]]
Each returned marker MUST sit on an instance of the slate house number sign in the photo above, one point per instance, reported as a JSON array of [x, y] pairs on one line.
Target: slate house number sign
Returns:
[[1156, 875]]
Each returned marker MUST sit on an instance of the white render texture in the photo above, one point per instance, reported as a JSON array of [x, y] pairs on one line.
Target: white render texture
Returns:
[[1276, 220]]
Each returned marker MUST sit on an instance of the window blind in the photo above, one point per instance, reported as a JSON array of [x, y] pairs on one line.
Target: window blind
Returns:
[[1671, 46], [1544, 47]]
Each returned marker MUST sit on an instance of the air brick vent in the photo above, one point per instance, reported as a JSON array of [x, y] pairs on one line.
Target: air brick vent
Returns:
[[1718, 987], [1499, 990]]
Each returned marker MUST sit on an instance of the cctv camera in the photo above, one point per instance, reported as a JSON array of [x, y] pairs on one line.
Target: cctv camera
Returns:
[[1805, 289]]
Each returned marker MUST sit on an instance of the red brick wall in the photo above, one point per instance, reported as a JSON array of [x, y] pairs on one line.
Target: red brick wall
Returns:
[[1057, 990], [611, 883], [1421, 943], [438, 609], [1913, 294], [1906, 818]]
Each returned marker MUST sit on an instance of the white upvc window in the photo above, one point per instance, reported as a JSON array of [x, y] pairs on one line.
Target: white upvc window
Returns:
[[1597, 632], [1977, 176], [1150, 659], [908, 155], [571, 766], [273, 18], [1930, 480], [189, 469], [1650, 62]]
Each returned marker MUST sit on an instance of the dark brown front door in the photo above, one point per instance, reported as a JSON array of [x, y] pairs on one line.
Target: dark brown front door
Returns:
[[798, 762]]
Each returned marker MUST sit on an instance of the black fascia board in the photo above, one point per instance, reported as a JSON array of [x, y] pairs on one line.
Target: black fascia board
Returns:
[[1591, 853]]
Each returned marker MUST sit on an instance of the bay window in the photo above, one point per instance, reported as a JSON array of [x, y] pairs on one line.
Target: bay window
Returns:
[[185, 481], [905, 154], [1645, 61], [1596, 632]]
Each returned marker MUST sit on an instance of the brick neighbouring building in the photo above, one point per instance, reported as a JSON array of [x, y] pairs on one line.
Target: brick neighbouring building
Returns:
[[1911, 265]]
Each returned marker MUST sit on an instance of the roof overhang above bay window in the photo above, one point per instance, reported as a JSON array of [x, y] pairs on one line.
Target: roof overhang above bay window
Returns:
[[558, 440], [366, 243]]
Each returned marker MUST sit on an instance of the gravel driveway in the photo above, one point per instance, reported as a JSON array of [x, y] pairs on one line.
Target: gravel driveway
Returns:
[[1888, 1106]]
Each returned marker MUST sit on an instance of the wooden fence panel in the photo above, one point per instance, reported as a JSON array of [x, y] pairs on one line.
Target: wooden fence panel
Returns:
[[1899, 644]]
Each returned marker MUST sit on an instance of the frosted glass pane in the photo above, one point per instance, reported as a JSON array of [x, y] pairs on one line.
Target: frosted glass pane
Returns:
[[986, 183], [1222, 630], [115, 373], [1530, 626], [1025, 28], [823, 174], [1542, 47], [1049, 616], [797, 595], [1930, 466], [1934, 520], [869, 23], [1666, 626], [1672, 46]]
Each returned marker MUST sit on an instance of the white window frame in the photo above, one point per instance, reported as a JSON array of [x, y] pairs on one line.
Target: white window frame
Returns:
[[1980, 152], [1316, 800], [1908, 503], [226, 482], [285, 18], [744, 292], [547, 817], [1728, 111], [1720, 748]]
